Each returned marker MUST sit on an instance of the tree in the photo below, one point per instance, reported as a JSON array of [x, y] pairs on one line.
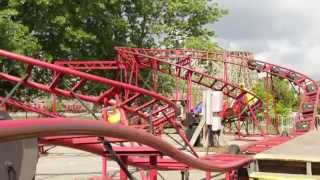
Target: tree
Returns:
[[90, 29], [14, 37], [281, 99]]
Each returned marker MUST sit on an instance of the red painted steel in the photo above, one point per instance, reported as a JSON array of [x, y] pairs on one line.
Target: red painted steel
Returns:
[[267, 143], [175, 62], [174, 68], [154, 66], [165, 113], [27, 107], [90, 65], [135, 93], [41, 127], [310, 89]]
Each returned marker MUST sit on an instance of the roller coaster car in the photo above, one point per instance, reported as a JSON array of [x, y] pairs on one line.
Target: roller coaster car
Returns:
[[307, 107], [252, 64], [293, 76], [310, 88], [302, 125], [275, 69]]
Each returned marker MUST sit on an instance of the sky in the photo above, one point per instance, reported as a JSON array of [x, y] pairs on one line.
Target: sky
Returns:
[[284, 32]]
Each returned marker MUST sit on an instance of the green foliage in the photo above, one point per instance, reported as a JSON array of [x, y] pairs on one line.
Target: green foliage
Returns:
[[200, 43], [281, 99], [90, 29], [14, 37]]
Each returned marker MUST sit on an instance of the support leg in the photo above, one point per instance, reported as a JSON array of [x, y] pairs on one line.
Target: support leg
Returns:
[[153, 171], [228, 175], [208, 175], [123, 175], [104, 167]]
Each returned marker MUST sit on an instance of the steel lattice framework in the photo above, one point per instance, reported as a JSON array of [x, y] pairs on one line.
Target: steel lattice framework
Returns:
[[138, 103], [308, 88]]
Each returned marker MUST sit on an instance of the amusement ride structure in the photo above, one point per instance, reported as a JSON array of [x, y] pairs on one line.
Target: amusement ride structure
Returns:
[[145, 112]]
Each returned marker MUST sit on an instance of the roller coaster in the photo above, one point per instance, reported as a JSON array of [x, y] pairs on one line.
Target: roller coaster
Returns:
[[72, 79]]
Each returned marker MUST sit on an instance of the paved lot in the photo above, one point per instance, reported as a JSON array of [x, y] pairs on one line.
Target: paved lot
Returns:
[[64, 164], [70, 164]]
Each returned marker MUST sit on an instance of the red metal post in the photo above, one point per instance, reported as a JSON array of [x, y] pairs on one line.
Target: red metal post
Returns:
[[189, 92], [123, 175], [228, 175], [104, 167], [153, 171], [208, 175]]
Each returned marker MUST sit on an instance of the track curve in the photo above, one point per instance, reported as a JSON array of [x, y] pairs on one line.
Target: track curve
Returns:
[[165, 113], [310, 89], [15, 130], [28, 107], [181, 68]]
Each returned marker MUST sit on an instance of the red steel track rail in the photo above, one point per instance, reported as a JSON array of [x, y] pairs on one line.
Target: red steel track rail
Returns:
[[127, 61], [90, 65], [166, 112], [310, 89], [181, 69], [42, 127], [27, 107]]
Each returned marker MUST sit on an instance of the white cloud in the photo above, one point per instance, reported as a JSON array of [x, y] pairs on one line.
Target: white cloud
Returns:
[[286, 32]]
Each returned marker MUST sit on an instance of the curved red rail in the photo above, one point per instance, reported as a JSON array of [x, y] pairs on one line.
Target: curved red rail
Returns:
[[113, 87], [28, 107], [165, 113], [181, 68], [310, 89], [126, 59], [15, 130]]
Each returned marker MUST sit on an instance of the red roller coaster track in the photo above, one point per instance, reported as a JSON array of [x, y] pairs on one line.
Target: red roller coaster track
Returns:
[[310, 89], [134, 62], [29, 108], [166, 108], [136, 102], [15, 130]]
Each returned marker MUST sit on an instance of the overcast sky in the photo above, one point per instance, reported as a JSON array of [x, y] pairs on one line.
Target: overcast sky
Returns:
[[285, 32]]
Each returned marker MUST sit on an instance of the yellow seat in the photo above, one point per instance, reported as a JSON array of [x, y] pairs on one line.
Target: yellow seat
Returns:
[[114, 116]]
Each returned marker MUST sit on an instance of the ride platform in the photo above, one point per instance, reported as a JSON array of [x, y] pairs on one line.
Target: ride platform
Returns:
[[296, 158]]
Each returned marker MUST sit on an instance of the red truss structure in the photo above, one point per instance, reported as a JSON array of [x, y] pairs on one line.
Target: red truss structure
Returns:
[[151, 109], [15, 130], [134, 63], [307, 87]]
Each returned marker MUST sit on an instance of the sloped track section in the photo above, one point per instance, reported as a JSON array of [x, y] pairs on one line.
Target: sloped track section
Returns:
[[15, 130], [29, 108], [308, 88], [80, 83], [182, 69]]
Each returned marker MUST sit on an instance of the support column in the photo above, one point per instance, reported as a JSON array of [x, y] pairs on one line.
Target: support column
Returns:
[[123, 175], [153, 170], [104, 167], [208, 175], [189, 92]]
